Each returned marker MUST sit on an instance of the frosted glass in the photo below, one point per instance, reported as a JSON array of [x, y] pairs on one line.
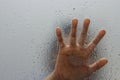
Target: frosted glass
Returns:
[[28, 45]]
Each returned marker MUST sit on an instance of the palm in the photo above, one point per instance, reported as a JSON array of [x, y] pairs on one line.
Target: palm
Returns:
[[72, 59]]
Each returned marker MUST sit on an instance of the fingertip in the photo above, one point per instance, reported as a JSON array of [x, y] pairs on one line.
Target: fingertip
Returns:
[[98, 64], [101, 62], [104, 61], [102, 31], [87, 20], [74, 20], [58, 30]]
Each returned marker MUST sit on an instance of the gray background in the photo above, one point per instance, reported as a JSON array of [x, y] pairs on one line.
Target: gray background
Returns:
[[28, 45]]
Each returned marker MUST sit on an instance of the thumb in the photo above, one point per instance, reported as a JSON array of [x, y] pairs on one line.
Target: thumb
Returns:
[[98, 64]]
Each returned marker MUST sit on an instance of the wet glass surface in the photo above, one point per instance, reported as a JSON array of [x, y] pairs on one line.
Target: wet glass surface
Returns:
[[28, 45]]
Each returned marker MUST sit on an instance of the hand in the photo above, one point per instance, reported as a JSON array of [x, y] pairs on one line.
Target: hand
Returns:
[[72, 59]]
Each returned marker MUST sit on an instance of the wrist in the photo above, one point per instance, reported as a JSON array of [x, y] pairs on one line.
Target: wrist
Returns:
[[53, 76]]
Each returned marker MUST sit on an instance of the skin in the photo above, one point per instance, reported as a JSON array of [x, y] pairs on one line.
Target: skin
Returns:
[[72, 59]]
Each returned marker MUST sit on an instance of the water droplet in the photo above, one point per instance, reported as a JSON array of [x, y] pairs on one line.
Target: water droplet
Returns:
[[118, 54], [38, 57], [73, 9], [33, 61]]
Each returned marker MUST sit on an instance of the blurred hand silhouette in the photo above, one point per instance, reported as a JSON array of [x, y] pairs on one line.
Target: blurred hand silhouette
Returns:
[[72, 59]]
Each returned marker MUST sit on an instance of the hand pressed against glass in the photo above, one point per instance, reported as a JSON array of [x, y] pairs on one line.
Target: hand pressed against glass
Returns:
[[72, 59]]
